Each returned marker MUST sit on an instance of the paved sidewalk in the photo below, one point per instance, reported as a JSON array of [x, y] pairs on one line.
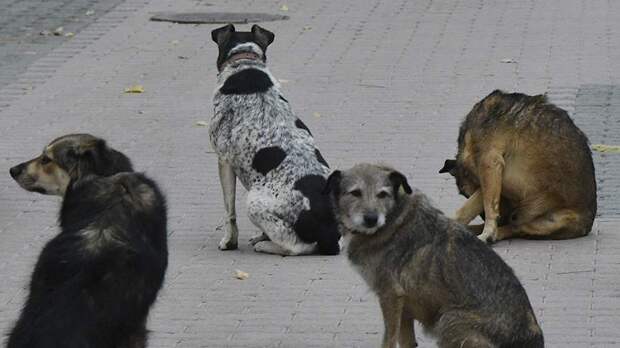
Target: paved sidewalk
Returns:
[[373, 79]]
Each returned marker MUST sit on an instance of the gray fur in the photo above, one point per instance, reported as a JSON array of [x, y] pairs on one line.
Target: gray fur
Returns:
[[424, 266]]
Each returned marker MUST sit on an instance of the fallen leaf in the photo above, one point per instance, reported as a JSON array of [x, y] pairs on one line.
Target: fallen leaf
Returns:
[[45, 33], [69, 34], [135, 89], [317, 115], [284, 8], [202, 123], [508, 60], [90, 12], [306, 28], [241, 275], [606, 148], [58, 31]]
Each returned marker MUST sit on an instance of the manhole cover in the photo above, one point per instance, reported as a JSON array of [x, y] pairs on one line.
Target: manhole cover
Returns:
[[215, 17]]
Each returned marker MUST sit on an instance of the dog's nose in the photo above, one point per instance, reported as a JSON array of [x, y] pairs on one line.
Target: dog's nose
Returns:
[[370, 219], [15, 171]]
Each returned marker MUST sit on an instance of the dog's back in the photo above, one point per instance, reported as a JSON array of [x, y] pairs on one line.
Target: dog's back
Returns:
[[94, 283], [547, 162], [540, 138]]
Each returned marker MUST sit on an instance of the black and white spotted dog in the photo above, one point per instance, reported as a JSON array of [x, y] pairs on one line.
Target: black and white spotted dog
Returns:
[[259, 140]]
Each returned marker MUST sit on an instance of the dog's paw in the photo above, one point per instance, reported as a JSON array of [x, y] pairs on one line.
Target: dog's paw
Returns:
[[227, 244], [261, 237], [487, 238]]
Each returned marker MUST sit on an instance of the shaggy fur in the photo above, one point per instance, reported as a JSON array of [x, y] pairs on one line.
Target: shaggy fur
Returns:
[[424, 266], [259, 140], [526, 167], [93, 283]]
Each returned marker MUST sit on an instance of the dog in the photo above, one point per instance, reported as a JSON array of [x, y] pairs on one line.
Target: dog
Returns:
[[94, 282], [424, 266], [259, 140], [526, 168]]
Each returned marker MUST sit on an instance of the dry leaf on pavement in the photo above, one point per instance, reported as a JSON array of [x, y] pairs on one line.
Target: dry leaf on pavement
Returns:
[[606, 148], [241, 275], [135, 89]]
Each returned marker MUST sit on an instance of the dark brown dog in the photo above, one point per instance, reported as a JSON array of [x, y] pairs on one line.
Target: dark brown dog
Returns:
[[526, 168]]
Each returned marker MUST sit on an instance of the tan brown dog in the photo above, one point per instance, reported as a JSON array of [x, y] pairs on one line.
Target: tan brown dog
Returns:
[[424, 266], [525, 168]]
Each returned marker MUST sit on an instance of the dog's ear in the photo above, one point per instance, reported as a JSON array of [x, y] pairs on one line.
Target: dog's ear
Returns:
[[449, 166], [220, 34], [333, 183], [96, 158], [397, 179], [262, 36]]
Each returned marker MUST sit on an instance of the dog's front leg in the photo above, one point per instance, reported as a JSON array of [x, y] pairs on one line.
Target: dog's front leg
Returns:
[[407, 331], [491, 172], [472, 208], [228, 180], [392, 308]]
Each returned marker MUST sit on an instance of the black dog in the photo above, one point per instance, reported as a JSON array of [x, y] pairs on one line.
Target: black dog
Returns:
[[93, 283]]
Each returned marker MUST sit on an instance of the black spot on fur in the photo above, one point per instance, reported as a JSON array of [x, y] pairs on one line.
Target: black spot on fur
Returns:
[[317, 224], [299, 124], [247, 81], [267, 159], [320, 158]]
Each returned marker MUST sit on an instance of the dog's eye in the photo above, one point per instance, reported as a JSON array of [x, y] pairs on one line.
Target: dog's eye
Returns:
[[45, 160], [356, 193], [383, 194]]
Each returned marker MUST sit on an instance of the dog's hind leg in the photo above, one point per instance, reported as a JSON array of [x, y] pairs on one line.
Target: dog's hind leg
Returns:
[[559, 224], [259, 238], [472, 208], [282, 239], [228, 180], [491, 172]]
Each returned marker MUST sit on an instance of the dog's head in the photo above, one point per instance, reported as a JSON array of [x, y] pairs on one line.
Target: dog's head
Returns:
[[235, 45], [365, 196], [67, 159], [466, 182]]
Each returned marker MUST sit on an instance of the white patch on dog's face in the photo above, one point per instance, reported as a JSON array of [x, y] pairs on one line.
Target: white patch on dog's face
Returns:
[[356, 223]]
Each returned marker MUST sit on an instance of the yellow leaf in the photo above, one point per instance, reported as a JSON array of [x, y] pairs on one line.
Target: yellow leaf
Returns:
[[241, 275], [284, 8], [202, 123], [606, 148], [135, 89], [317, 114]]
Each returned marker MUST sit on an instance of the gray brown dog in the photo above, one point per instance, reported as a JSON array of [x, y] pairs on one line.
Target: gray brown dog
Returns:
[[526, 168], [424, 266]]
